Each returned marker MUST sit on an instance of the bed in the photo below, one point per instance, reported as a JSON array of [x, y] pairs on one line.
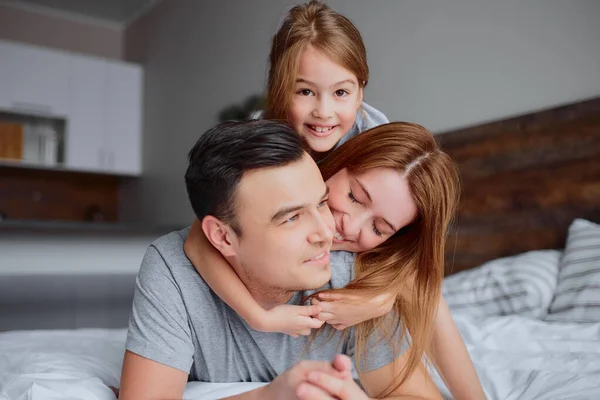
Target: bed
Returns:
[[523, 276]]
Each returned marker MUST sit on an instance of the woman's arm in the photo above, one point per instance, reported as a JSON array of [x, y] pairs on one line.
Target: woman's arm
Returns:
[[451, 357], [222, 279], [342, 310]]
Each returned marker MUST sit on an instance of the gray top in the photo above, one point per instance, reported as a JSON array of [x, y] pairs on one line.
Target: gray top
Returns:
[[177, 320], [367, 117]]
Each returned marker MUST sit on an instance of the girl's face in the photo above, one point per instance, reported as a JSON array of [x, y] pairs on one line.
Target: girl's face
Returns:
[[325, 100], [369, 208]]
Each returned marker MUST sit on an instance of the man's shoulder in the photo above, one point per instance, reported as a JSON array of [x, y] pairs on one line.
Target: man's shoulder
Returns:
[[172, 243], [166, 257]]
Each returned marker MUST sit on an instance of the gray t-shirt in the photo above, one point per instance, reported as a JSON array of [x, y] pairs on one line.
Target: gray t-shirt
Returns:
[[177, 320]]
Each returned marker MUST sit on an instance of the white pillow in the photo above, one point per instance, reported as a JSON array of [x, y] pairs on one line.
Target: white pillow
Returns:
[[521, 285], [577, 297]]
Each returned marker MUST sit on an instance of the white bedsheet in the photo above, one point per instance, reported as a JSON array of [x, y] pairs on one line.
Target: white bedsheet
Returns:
[[516, 357]]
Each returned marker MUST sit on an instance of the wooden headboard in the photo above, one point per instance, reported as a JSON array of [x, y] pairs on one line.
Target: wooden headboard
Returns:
[[524, 180]]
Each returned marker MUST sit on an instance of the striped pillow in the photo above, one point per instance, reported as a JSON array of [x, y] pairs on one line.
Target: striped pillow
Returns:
[[523, 285], [577, 296]]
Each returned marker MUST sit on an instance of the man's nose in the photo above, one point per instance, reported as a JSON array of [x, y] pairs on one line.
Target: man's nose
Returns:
[[322, 231]]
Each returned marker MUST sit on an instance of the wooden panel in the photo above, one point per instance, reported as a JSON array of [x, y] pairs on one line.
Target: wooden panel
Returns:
[[524, 180], [33, 194], [11, 141]]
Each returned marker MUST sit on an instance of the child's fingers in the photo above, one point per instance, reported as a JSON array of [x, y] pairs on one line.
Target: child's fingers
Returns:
[[312, 323], [325, 316], [310, 310], [329, 307]]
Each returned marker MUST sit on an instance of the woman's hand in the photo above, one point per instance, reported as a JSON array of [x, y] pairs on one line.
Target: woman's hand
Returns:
[[342, 310]]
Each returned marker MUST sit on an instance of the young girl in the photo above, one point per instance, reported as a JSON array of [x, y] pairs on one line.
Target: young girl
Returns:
[[318, 71]]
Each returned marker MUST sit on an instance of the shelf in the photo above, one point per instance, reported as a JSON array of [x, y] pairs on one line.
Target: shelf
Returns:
[[84, 227]]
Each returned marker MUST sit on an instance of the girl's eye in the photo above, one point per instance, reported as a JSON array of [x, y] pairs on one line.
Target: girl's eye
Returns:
[[305, 92], [341, 93], [377, 232], [352, 198]]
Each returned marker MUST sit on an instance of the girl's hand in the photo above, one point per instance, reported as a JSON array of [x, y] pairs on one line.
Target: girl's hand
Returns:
[[292, 320], [344, 310]]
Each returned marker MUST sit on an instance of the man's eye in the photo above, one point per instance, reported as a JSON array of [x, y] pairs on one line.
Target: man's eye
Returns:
[[292, 219], [341, 93], [322, 203]]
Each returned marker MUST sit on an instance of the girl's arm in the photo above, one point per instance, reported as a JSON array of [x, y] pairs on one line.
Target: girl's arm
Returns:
[[451, 357], [222, 279]]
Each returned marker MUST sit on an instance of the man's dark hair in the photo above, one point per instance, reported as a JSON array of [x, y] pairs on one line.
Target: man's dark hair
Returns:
[[224, 153]]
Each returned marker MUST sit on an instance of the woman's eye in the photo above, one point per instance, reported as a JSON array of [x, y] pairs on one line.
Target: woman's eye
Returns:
[[352, 198], [341, 93], [305, 92], [377, 232]]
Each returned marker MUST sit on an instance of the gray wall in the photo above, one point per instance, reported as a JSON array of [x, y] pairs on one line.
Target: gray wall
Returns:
[[441, 64], [44, 28]]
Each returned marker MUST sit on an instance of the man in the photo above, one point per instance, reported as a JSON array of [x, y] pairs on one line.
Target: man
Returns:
[[262, 203]]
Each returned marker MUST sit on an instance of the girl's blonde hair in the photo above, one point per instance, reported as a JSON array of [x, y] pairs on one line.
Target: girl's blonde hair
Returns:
[[314, 24], [410, 263]]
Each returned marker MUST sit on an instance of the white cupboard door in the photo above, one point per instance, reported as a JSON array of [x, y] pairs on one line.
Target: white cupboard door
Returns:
[[124, 118], [40, 81], [86, 125]]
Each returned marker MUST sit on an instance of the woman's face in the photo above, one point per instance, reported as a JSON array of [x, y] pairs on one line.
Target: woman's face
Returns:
[[369, 208]]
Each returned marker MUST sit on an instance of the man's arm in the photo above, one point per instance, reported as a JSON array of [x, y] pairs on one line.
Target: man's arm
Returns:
[[159, 349], [143, 378]]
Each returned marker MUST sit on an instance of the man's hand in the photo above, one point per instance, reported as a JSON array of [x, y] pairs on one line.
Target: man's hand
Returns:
[[286, 385], [292, 320], [325, 386]]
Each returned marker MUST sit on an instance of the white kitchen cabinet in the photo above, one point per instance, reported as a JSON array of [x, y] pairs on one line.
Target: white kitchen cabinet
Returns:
[[8, 68], [124, 117], [104, 127], [100, 101], [86, 125], [34, 80]]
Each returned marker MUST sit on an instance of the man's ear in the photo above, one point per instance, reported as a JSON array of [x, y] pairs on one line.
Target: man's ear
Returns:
[[219, 234]]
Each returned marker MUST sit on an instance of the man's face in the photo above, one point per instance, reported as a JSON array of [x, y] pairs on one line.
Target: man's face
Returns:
[[287, 228]]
